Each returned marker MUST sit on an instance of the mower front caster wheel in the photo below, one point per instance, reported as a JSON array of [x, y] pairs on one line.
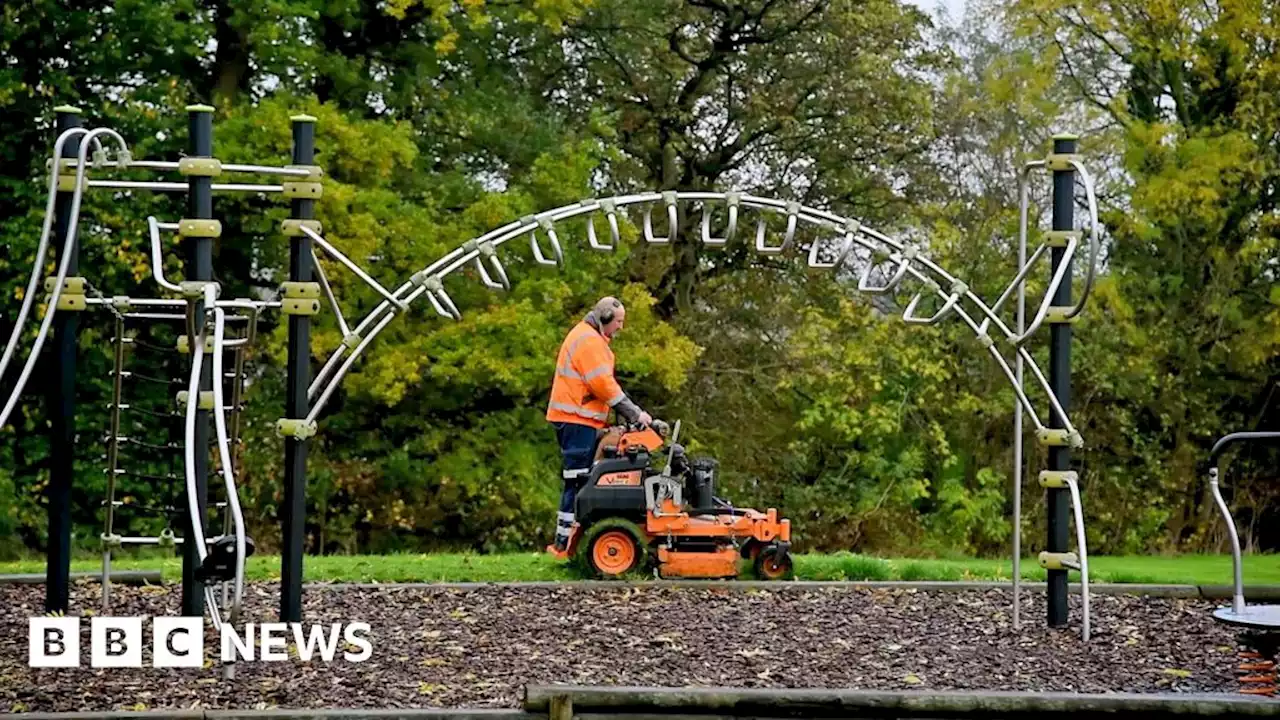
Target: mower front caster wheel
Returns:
[[773, 562]]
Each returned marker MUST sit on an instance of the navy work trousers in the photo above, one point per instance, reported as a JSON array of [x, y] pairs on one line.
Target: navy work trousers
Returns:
[[577, 449]]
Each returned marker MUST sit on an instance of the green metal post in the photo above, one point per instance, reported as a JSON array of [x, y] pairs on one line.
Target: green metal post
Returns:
[[293, 513], [1059, 499], [199, 267], [62, 395]]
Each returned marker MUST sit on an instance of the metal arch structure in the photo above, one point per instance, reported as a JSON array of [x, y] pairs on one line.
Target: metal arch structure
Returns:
[[837, 242], [848, 238], [907, 261]]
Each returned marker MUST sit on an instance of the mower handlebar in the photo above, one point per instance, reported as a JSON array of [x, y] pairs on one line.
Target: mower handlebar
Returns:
[[660, 427]]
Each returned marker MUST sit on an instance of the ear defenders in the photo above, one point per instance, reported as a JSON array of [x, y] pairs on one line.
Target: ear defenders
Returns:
[[606, 314]]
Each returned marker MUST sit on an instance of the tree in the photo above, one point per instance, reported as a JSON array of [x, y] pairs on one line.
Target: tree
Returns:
[[1188, 87]]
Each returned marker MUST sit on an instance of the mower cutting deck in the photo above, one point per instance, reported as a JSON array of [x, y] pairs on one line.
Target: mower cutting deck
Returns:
[[630, 515]]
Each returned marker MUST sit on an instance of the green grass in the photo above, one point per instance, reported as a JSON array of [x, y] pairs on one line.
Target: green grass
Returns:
[[1182, 569], [523, 567]]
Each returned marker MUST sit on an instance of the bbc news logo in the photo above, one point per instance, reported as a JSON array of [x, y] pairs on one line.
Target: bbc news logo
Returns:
[[54, 642]]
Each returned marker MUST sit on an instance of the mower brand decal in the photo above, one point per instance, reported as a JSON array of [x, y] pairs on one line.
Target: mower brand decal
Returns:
[[630, 477]]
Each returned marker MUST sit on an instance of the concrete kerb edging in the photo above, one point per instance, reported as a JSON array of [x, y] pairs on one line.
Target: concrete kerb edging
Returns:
[[556, 702], [566, 701], [1207, 592], [119, 577], [286, 714]]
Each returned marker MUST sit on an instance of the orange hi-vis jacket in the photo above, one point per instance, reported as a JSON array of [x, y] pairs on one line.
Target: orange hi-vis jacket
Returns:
[[584, 387]]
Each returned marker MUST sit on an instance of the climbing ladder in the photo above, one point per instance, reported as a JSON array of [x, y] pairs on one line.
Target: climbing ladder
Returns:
[[142, 438]]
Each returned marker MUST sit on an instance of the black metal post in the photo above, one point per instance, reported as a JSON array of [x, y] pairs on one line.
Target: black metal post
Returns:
[[294, 511], [62, 395], [1059, 500], [199, 267]]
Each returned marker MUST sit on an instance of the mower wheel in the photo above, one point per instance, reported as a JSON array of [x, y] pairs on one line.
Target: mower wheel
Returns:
[[614, 548], [773, 563]]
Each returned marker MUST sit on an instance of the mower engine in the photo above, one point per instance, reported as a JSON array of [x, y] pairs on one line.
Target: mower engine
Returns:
[[631, 514]]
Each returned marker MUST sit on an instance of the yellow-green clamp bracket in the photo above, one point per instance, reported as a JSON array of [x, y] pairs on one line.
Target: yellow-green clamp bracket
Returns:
[[204, 401], [296, 428], [1059, 561], [1057, 478], [72, 296], [300, 298]]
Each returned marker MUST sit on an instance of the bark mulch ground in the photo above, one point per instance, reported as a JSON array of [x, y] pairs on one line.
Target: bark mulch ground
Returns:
[[477, 647]]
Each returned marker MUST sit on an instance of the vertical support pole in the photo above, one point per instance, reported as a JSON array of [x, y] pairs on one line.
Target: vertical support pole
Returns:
[[61, 396], [199, 268], [293, 515], [1059, 500]]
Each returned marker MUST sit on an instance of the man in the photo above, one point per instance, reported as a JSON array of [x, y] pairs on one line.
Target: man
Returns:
[[582, 394]]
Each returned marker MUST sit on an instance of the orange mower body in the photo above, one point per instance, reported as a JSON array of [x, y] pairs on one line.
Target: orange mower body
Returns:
[[631, 515]]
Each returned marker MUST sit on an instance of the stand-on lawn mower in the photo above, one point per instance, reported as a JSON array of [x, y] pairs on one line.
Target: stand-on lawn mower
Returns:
[[629, 514]]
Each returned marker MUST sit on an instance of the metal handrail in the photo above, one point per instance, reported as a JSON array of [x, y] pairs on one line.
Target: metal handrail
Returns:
[[1237, 563]]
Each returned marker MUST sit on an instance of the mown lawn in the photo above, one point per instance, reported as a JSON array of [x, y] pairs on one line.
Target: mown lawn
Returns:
[[460, 567]]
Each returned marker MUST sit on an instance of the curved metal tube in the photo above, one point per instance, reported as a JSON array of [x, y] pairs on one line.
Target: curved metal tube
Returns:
[[468, 253], [157, 259], [355, 353], [1047, 302], [63, 265], [1237, 563], [189, 459], [732, 199], [793, 211], [224, 454], [611, 213], [558, 261], [909, 315], [1227, 440], [672, 221], [1084, 553], [845, 247], [1237, 597], [1087, 179], [864, 285], [1018, 284], [28, 298]]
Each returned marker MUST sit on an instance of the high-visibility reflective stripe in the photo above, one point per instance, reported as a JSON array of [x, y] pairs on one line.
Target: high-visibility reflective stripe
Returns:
[[578, 410], [568, 355], [615, 399], [565, 517], [571, 474], [596, 373], [573, 374], [562, 532]]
